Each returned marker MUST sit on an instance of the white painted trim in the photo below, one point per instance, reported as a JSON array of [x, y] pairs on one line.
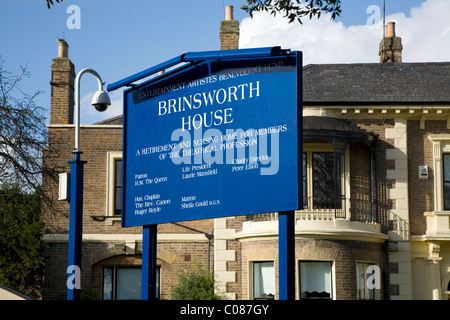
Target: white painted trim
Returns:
[[222, 255], [337, 229], [111, 157], [441, 144], [309, 148], [108, 237], [87, 126]]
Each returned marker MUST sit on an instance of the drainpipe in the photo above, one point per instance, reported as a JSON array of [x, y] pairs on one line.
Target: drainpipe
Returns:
[[373, 183], [208, 236]]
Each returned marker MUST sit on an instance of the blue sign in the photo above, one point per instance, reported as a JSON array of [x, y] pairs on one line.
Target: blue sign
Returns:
[[216, 138]]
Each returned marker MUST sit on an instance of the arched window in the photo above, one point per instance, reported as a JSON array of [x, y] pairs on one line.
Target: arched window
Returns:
[[446, 286], [448, 290]]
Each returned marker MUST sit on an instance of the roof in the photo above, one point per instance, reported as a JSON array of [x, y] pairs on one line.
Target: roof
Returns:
[[7, 293], [371, 83], [115, 120], [332, 128], [375, 83]]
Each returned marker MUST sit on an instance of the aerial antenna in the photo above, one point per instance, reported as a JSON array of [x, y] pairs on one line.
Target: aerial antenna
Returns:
[[384, 19]]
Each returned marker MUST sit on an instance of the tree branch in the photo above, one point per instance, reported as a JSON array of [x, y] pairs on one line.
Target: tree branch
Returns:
[[294, 9], [50, 3]]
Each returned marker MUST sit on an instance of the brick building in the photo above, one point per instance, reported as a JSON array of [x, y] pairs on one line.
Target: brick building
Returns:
[[376, 194]]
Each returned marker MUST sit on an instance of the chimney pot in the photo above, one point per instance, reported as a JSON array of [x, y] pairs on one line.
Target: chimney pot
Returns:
[[229, 13], [390, 29], [63, 49], [391, 46]]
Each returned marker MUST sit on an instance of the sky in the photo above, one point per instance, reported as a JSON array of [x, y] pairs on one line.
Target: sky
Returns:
[[118, 38]]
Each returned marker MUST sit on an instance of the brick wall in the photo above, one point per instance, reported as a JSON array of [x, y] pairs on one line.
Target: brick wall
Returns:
[[229, 35], [344, 255], [359, 172], [262, 250], [378, 127], [62, 98]]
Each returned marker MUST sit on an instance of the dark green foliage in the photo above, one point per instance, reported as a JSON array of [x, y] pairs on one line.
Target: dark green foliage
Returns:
[[19, 239], [85, 294], [195, 285], [50, 2], [294, 9]]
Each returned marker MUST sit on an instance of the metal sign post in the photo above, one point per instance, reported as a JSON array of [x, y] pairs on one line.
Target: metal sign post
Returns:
[[75, 226], [149, 249], [286, 255], [100, 101]]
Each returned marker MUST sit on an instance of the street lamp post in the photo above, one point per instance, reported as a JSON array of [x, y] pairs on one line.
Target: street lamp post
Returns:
[[101, 102]]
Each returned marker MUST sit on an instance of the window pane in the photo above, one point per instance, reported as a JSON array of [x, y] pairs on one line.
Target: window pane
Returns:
[[361, 280], [263, 280], [124, 283], [446, 196], [108, 283], [158, 281], [364, 292], [315, 280], [118, 173], [117, 187], [446, 167], [326, 195], [118, 200], [305, 181], [128, 284]]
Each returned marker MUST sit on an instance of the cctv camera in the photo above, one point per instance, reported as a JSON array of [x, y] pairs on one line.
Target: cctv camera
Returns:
[[101, 101]]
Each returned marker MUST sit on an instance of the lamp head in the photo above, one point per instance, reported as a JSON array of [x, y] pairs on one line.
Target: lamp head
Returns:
[[101, 101]]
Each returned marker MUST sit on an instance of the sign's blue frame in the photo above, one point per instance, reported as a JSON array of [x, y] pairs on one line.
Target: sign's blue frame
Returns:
[[218, 136]]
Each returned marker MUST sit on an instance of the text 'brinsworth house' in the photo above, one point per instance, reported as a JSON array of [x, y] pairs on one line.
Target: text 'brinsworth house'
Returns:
[[376, 193]]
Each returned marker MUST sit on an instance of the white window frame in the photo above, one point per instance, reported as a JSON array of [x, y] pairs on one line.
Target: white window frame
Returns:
[[363, 285], [441, 145], [333, 273], [114, 280], [112, 156], [309, 149], [438, 220], [251, 276]]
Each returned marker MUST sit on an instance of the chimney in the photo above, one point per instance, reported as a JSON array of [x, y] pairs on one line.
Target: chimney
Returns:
[[62, 83], [63, 48], [229, 31], [391, 46]]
